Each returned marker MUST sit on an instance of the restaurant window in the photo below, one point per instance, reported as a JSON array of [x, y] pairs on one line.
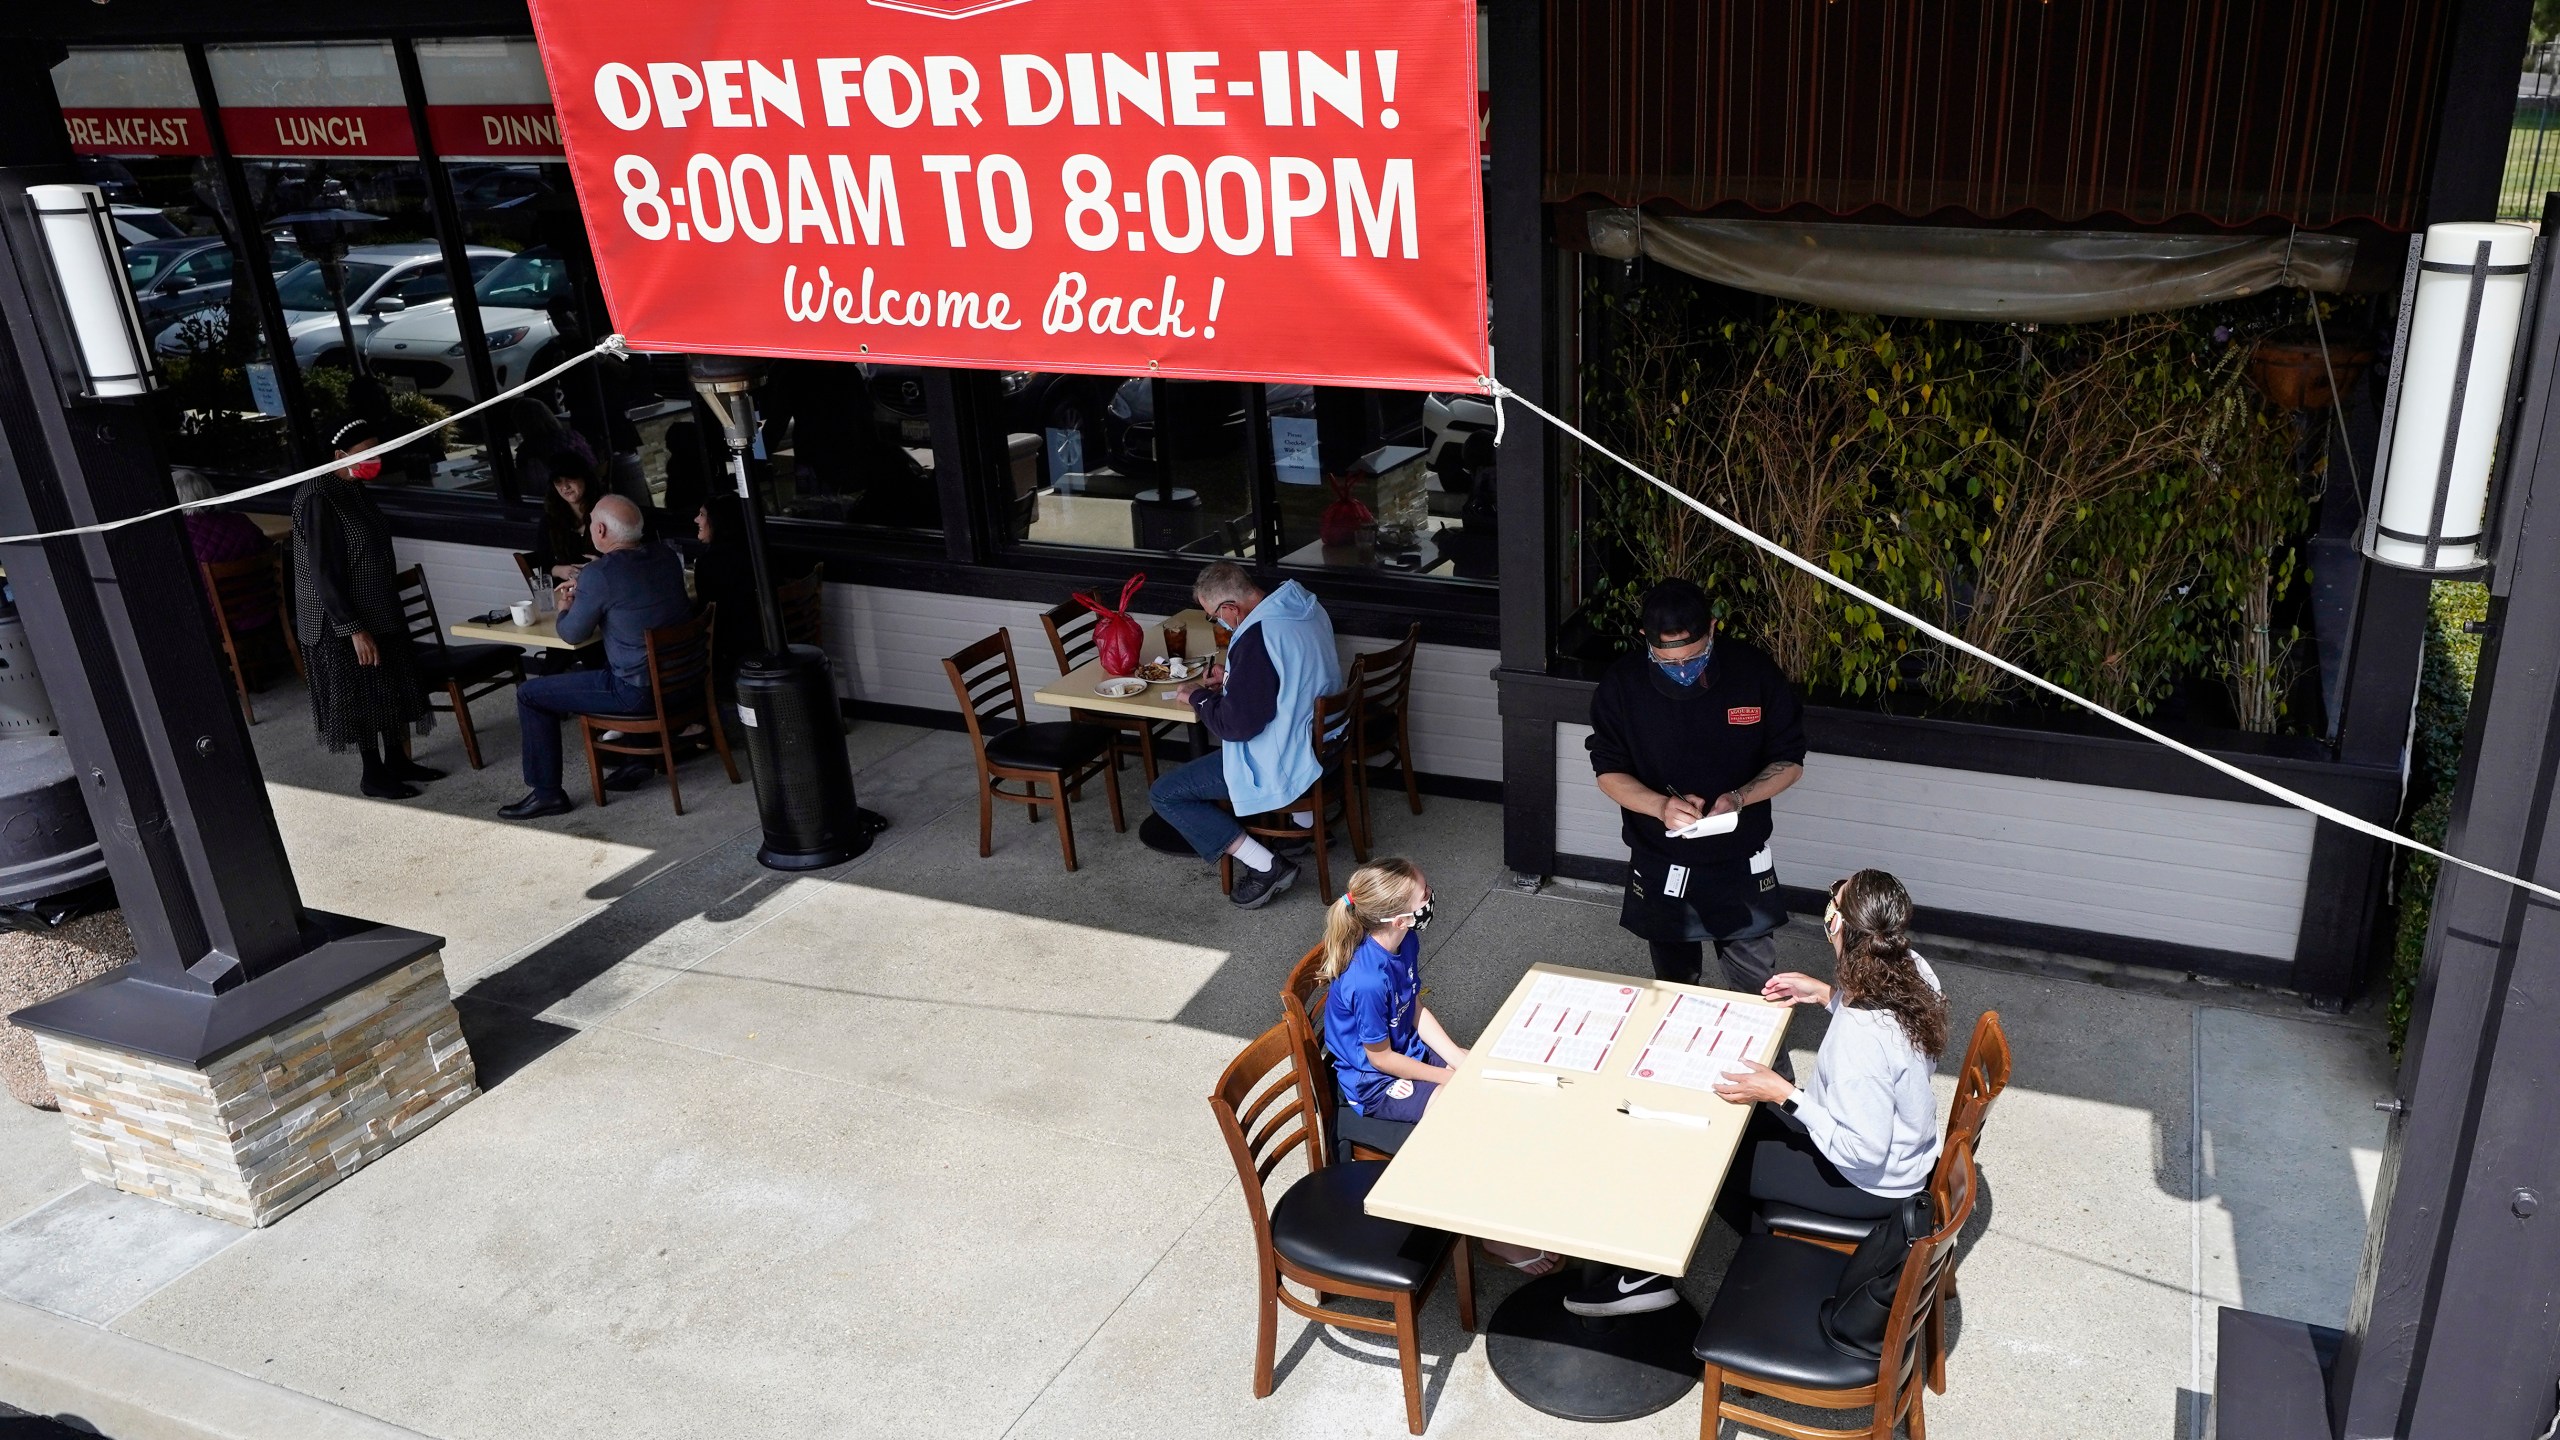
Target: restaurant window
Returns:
[[139, 135], [330, 163], [490, 118], [850, 444], [1380, 481], [1110, 462]]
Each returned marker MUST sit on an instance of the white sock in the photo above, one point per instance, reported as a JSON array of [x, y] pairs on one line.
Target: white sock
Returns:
[[1306, 818], [1253, 853]]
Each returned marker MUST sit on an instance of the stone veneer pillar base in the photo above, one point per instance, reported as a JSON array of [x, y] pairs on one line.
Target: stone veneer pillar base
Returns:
[[280, 1118]]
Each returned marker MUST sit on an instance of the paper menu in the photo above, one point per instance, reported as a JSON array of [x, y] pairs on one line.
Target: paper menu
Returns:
[[1567, 1023], [1698, 1037]]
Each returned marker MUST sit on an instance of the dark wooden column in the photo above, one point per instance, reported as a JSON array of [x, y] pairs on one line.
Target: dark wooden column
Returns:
[[1525, 466]]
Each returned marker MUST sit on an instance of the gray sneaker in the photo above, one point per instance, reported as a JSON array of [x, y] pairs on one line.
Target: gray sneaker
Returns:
[[1255, 888]]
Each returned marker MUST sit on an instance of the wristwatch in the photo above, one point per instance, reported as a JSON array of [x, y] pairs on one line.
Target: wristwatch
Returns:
[[1789, 1104]]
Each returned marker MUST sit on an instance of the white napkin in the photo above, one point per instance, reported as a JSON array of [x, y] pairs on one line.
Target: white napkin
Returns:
[[1522, 1077], [1676, 1117]]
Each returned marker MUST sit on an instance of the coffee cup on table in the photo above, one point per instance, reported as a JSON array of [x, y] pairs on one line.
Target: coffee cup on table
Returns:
[[521, 612]]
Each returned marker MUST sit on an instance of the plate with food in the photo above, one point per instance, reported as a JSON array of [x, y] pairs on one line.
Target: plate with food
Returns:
[[1121, 688], [1161, 670]]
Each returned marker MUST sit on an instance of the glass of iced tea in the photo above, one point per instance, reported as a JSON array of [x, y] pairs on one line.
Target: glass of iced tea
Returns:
[[1177, 641]]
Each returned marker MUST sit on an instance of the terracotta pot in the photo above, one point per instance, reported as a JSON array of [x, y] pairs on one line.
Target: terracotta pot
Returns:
[[2290, 373]]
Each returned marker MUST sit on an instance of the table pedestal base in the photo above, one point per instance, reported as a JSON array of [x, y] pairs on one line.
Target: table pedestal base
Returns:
[[1158, 834], [1617, 1368]]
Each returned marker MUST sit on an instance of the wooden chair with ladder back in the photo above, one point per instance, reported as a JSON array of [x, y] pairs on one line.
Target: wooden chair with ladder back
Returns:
[[1070, 631], [1984, 1075], [248, 586], [679, 697], [1347, 1134], [1061, 754], [1767, 1331], [452, 675], [1334, 794], [1317, 1234], [1382, 730], [802, 604]]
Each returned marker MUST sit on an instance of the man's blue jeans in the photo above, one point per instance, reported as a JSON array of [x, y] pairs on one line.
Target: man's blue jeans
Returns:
[[546, 700], [1188, 799]]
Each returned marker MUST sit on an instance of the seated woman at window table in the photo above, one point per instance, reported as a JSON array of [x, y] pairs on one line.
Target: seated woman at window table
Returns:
[[1863, 1133], [1390, 1055], [563, 544]]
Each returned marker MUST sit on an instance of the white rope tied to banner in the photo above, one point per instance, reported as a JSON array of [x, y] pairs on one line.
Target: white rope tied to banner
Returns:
[[2335, 816], [610, 345]]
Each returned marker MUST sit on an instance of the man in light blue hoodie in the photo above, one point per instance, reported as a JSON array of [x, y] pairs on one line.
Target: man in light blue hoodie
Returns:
[[1262, 709]]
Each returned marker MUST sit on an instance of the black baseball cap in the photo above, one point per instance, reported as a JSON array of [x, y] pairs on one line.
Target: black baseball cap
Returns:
[[1675, 613]]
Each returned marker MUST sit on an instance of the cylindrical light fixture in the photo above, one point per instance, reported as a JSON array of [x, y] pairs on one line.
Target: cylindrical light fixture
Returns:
[[2461, 306], [80, 239]]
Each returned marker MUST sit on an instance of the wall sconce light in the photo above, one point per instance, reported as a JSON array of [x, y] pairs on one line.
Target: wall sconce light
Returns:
[[2461, 309], [79, 238]]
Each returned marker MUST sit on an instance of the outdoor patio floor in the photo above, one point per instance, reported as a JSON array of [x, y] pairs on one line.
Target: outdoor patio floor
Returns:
[[920, 1142]]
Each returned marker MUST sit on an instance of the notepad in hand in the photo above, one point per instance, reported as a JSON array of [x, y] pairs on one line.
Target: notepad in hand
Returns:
[[1708, 825]]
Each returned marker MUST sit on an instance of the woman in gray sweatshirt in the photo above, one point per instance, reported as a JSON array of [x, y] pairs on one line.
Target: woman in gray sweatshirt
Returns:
[[1863, 1132]]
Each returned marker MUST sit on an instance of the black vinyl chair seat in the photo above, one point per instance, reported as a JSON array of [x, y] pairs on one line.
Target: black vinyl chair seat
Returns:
[[436, 664], [1766, 1319], [1049, 745], [1797, 1220], [1319, 1224], [1350, 1128]]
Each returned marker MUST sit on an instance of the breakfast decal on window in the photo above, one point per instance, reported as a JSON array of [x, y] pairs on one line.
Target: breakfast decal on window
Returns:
[[1276, 192]]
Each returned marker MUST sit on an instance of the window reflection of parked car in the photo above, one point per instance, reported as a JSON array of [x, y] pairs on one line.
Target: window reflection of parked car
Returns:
[[1035, 401], [424, 346], [1449, 420], [137, 223], [481, 189], [382, 281], [170, 277], [111, 177]]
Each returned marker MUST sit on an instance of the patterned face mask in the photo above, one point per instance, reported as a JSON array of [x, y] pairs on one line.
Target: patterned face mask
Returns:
[[1686, 672]]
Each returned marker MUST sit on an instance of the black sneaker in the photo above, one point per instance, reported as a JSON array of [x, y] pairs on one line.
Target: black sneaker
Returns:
[[1623, 1292], [1295, 848], [535, 805], [1255, 888]]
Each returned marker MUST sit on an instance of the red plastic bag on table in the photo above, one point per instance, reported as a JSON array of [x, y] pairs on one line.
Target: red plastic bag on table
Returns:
[[1341, 521], [1116, 637]]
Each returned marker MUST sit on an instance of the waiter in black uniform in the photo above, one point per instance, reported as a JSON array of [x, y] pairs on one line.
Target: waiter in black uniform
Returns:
[[1697, 727]]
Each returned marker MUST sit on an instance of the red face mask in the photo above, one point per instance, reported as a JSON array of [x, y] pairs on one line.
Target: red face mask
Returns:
[[364, 469]]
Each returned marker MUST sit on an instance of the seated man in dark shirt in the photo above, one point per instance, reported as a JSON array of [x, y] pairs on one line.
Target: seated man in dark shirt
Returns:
[[633, 586], [1280, 657]]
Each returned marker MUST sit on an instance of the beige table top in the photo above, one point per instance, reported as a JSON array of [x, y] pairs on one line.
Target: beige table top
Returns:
[[1560, 1169], [1074, 690], [542, 634], [278, 528]]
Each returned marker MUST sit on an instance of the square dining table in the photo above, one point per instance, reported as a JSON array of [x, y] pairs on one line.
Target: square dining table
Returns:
[[1076, 690], [542, 634], [1561, 1168]]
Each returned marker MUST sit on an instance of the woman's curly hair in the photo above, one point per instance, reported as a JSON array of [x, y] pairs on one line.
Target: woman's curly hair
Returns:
[[1877, 969]]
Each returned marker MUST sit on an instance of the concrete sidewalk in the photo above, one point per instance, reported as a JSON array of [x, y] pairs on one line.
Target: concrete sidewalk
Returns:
[[920, 1143]]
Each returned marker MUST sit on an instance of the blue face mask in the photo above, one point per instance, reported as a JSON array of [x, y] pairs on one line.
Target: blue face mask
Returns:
[[1686, 672]]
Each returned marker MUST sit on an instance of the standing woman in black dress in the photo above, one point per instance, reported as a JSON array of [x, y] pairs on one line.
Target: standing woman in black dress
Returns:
[[346, 614]]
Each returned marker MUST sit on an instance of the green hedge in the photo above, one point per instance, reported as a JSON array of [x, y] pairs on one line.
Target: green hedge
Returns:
[[2444, 706]]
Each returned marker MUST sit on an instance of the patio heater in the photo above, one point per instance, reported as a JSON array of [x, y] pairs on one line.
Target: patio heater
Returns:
[[786, 693]]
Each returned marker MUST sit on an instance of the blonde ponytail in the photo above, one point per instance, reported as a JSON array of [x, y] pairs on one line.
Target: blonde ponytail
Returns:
[[1378, 891]]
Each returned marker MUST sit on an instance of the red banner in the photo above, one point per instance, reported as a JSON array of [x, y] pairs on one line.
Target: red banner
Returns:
[[1274, 191], [132, 131]]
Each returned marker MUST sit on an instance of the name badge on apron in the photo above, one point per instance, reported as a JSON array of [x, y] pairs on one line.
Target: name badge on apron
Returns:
[[1675, 881]]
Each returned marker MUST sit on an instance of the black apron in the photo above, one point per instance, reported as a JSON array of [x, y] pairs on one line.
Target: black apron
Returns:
[[1721, 899]]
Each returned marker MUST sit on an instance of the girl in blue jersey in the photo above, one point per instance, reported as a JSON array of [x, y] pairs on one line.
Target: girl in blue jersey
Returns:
[[1390, 1054]]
